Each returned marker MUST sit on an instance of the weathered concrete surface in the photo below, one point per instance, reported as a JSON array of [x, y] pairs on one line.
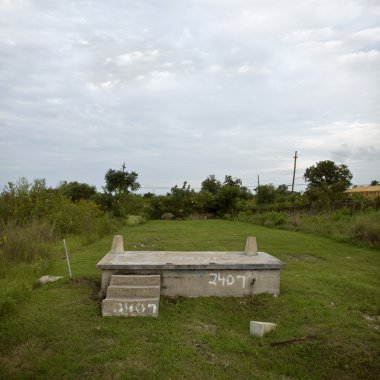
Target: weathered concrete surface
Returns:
[[198, 274], [189, 274], [117, 244], [188, 260], [220, 283], [130, 307], [251, 246], [48, 278], [261, 328], [135, 280], [132, 296], [130, 291]]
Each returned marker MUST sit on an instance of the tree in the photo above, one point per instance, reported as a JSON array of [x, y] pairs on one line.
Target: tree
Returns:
[[76, 191], [211, 184], [227, 199], [229, 181], [265, 194], [180, 200], [374, 183], [327, 178], [282, 189], [120, 181]]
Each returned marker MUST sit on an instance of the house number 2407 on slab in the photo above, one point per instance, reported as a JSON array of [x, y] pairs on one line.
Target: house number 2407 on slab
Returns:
[[226, 280]]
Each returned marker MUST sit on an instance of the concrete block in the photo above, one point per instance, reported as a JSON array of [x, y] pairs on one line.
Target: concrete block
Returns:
[[46, 279], [130, 291], [135, 280], [117, 244], [261, 328], [147, 307], [251, 246]]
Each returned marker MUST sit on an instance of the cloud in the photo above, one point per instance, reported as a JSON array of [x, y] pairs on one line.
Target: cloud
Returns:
[[181, 91], [368, 60]]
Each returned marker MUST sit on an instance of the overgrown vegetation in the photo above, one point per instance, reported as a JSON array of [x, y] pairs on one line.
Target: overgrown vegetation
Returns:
[[359, 227], [329, 293], [34, 217]]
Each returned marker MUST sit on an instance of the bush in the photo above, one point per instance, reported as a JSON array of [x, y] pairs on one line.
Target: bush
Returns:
[[271, 218], [28, 243], [135, 220], [366, 228]]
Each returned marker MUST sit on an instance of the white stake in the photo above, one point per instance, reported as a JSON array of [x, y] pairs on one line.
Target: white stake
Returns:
[[67, 258]]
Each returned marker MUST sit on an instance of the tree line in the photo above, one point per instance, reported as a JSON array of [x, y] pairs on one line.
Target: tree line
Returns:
[[71, 205]]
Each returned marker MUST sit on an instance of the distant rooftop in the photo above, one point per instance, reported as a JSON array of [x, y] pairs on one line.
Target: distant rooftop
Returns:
[[370, 191]]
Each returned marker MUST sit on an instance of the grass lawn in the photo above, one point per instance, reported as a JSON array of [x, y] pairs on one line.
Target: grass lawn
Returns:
[[330, 292]]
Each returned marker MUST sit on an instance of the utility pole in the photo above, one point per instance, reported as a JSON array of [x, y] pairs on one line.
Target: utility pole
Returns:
[[258, 181], [123, 166], [294, 170]]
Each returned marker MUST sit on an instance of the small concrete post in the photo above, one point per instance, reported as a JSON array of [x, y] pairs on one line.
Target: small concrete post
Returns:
[[117, 244], [261, 328], [251, 246]]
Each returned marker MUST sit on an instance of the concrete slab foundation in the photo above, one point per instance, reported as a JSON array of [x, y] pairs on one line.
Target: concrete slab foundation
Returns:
[[195, 274]]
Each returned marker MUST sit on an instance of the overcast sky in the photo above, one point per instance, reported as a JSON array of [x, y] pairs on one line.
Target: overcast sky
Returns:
[[183, 89]]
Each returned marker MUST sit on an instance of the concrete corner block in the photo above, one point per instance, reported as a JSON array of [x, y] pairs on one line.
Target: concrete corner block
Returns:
[[251, 246], [261, 328], [117, 244]]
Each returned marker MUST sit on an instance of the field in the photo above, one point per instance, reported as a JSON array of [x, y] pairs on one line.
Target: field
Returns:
[[329, 294]]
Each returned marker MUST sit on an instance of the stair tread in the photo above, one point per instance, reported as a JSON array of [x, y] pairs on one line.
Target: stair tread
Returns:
[[135, 275], [134, 286], [147, 280], [133, 299]]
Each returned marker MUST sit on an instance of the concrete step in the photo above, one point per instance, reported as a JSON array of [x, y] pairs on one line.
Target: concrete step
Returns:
[[151, 279], [130, 307], [131, 291]]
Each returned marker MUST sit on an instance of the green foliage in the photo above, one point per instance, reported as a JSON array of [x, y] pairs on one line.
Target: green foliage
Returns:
[[265, 194], [366, 228], [326, 179], [329, 292], [135, 220], [205, 202], [180, 201], [359, 227], [229, 181], [124, 204], [77, 191], [227, 199], [211, 184], [22, 201], [155, 207], [120, 181], [28, 243]]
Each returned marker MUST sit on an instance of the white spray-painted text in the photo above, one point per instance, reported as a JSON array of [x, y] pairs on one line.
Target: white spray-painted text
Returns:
[[226, 280]]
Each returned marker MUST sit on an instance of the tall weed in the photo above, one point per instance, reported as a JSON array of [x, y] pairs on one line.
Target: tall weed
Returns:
[[366, 228], [30, 243], [343, 224]]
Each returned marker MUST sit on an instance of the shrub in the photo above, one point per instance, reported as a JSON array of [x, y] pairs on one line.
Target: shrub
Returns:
[[28, 243], [366, 228], [135, 220], [271, 218]]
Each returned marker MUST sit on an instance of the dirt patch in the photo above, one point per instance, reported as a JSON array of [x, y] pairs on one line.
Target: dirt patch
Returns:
[[22, 358], [307, 258], [373, 321]]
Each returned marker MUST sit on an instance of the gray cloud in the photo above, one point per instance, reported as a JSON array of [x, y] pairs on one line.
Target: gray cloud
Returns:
[[183, 90]]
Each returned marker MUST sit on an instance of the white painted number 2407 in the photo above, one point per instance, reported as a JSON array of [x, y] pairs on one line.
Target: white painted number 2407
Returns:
[[229, 280]]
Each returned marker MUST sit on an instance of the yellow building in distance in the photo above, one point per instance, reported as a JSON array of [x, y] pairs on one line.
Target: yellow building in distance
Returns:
[[367, 191]]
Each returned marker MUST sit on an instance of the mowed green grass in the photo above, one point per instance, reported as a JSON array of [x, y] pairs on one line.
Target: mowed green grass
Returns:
[[330, 292]]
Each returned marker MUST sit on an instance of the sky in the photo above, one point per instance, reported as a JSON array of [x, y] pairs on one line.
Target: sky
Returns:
[[179, 90]]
